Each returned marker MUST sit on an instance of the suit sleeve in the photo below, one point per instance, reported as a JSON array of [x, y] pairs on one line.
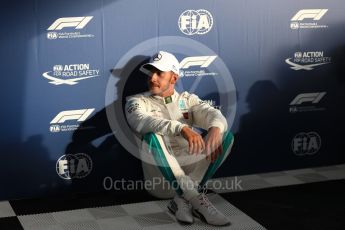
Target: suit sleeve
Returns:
[[205, 116], [142, 122]]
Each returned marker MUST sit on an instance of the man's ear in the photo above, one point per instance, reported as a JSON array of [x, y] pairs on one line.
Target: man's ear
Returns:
[[174, 78]]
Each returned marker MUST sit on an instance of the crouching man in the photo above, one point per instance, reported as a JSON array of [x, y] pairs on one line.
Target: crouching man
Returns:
[[165, 119]]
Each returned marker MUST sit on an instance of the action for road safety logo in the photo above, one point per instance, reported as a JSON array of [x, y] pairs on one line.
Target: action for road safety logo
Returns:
[[307, 60], [70, 74]]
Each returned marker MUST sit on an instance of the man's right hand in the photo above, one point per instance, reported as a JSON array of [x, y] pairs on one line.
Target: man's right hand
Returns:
[[195, 141]]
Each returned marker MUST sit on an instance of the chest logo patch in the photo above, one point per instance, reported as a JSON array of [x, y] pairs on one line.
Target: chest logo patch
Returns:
[[182, 105]]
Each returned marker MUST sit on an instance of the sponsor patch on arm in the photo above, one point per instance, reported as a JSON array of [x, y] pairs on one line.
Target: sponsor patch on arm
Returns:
[[133, 107]]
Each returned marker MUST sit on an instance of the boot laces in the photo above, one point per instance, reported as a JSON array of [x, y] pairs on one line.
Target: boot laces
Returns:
[[206, 202], [185, 205]]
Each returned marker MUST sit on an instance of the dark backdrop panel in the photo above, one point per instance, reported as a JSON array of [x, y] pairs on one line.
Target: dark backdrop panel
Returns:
[[277, 74]]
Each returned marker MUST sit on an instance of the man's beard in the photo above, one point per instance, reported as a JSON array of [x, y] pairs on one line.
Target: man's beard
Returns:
[[161, 91]]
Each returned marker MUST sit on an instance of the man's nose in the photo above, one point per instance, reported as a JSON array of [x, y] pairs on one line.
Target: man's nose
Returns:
[[153, 77]]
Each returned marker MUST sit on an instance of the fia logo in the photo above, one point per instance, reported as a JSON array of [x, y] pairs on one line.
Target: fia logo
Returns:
[[71, 166], [54, 128], [306, 143], [52, 35], [193, 22]]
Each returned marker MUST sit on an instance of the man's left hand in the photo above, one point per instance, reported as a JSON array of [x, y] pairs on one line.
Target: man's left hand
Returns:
[[213, 144]]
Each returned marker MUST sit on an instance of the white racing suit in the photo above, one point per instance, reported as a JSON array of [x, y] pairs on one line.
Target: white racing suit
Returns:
[[159, 121]]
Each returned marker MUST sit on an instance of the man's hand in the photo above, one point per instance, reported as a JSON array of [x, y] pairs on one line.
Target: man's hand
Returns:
[[196, 143], [213, 144]]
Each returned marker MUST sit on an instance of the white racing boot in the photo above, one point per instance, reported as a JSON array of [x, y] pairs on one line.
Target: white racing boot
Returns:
[[182, 210], [205, 210]]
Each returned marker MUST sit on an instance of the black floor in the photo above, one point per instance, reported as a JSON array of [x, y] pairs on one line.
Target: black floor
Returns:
[[77, 201], [313, 206], [10, 223]]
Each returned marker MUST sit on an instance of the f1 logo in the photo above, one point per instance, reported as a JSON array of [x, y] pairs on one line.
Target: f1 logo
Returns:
[[76, 22], [202, 61], [315, 14], [308, 97], [79, 115]]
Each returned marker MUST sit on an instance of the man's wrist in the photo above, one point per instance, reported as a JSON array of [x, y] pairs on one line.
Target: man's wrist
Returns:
[[218, 125], [214, 127], [180, 128]]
